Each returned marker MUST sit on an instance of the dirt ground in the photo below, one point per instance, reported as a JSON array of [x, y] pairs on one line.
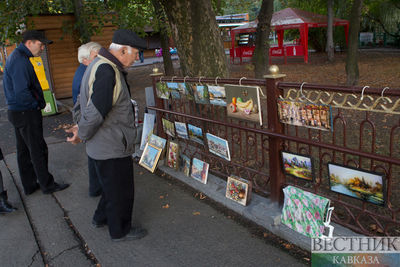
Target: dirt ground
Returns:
[[377, 69]]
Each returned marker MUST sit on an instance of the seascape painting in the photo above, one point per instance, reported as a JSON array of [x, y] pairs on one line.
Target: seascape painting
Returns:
[[217, 95], [181, 130]]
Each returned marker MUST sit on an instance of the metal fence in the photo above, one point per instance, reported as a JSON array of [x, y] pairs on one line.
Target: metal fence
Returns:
[[365, 135]]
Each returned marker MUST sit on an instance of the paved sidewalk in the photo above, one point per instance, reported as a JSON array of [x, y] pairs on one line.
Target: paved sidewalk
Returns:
[[183, 230]]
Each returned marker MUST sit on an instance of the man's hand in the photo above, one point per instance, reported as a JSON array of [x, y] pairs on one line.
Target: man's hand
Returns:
[[75, 138]]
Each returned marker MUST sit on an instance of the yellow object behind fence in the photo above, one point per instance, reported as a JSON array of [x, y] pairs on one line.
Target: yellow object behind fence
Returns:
[[39, 69]]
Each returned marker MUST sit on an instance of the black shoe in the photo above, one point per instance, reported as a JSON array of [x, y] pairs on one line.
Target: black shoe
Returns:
[[33, 190], [96, 194], [134, 234], [57, 187], [98, 224], [5, 207]]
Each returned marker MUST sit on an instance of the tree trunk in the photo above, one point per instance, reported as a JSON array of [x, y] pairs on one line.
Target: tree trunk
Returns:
[[352, 52], [196, 35], [81, 22], [164, 38], [261, 51], [329, 32]]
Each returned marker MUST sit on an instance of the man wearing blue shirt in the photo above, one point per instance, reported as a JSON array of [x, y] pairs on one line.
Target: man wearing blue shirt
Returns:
[[24, 98]]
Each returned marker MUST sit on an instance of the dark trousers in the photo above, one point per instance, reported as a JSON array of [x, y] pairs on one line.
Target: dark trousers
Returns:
[[116, 202], [32, 152], [1, 176], [94, 181]]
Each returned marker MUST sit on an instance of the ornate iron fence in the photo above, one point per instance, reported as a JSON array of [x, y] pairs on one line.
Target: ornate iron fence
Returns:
[[366, 135]]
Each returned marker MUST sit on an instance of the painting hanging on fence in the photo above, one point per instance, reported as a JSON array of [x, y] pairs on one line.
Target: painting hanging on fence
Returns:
[[217, 95], [305, 114], [148, 125], [173, 88], [168, 127], [181, 130], [150, 157], [218, 146], [162, 90], [238, 189], [243, 102], [201, 94], [157, 141], [173, 155], [199, 170], [188, 91], [298, 166], [357, 183], [195, 134], [185, 165]]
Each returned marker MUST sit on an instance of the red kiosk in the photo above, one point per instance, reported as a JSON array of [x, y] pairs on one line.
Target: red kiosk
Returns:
[[288, 18]]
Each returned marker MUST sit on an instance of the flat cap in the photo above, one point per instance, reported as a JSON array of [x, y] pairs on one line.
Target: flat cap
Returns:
[[128, 37], [35, 35]]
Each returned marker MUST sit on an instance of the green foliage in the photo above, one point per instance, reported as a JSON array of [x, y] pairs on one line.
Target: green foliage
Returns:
[[242, 6]]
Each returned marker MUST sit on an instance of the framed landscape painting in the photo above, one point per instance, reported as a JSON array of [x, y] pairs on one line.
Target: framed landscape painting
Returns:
[[173, 155], [217, 95], [201, 94], [157, 141], [218, 146], [238, 189], [298, 166], [150, 157], [199, 170], [181, 130], [196, 134], [168, 127], [162, 90], [357, 183], [243, 102]]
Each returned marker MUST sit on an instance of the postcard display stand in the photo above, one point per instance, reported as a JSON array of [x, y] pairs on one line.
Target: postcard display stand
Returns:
[[307, 213]]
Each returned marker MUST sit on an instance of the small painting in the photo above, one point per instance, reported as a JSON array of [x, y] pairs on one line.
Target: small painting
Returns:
[[173, 87], [168, 127], [162, 90], [182, 89], [150, 157], [357, 183], [181, 130], [218, 146], [201, 94], [173, 155], [148, 125], [305, 114], [199, 170], [188, 91], [243, 102], [195, 134], [298, 166], [238, 189], [217, 95], [186, 165], [157, 141]]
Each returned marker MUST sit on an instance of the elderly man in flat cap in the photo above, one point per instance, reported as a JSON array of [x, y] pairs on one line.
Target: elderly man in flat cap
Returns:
[[24, 97], [107, 126]]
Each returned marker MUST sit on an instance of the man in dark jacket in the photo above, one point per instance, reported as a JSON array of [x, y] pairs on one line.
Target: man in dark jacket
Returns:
[[24, 98], [107, 126]]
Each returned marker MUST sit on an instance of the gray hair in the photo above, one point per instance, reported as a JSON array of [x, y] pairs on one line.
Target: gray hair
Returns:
[[85, 50], [114, 46]]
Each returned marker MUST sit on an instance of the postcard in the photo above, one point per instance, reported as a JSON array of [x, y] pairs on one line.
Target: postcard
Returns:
[[218, 146], [168, 127], [243, 102], [150, 157], [357, 183], [181, 130], [298, 166], [217, 95], [195, 134], [199, 170], [201, 94], [305, 114], [162, 90], [148, 126]]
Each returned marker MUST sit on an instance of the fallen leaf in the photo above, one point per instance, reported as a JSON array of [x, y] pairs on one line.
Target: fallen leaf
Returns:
[[140, 173], [166, 206], [196, 213], [288, 246], [161, 197], [265, 234], [202, 196]]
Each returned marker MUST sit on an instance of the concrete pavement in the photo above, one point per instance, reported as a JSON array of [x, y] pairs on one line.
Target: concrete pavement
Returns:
[[183, 230]]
